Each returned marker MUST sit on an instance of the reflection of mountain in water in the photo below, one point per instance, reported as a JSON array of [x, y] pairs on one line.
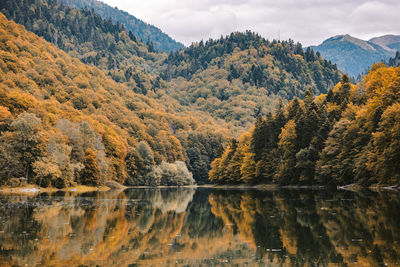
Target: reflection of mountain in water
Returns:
[[208, 227]]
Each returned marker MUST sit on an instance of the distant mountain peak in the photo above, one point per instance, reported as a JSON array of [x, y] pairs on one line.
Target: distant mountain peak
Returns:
[[388, 41], [353, 55], [348, 38]]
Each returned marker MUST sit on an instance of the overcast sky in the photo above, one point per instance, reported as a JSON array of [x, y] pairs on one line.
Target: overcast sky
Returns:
[[307, 21]]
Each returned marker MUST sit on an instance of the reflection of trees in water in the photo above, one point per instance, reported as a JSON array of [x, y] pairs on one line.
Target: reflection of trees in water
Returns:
[[101, 228], [164, 199], [316, 229], [160, 227], [254, 217], [200, 221], [17, 228], [365, 229]]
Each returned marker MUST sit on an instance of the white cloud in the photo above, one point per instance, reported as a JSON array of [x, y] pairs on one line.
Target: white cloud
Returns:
[[307, 21]]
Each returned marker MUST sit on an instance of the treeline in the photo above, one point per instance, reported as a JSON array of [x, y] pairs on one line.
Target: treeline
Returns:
[[63, 123], [350, 135]]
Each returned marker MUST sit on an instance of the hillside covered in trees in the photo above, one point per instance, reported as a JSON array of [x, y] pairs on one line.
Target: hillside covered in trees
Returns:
[[143, 117], [243, 75], [95, 41], [63, 122], [349, 135], [235, 78], [145, 32]]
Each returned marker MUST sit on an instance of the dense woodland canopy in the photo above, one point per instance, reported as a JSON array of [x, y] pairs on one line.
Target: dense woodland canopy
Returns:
[[87, 36], [349, 135], [234, 78], [145, 32], [242, 75], [111, 107], [63, 122], [252, 59]]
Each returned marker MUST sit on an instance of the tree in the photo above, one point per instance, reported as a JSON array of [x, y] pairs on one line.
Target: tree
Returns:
[[132, 163], [10, 164], [28, 140], [90, 174], [287, 146], [336, 160], [384, 154], [47, 173], [146, 153], [175, 174], [215, 174], [259, 138], [55, 168]]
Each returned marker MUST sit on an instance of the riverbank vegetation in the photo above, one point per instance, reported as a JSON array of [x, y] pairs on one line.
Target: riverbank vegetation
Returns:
[[349, 135]]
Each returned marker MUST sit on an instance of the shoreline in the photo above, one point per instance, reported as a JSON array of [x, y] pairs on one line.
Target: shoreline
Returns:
[[33, 189], [350, 187]]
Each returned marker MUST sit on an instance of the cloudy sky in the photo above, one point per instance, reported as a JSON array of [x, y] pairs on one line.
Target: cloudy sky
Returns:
[[307, 21]]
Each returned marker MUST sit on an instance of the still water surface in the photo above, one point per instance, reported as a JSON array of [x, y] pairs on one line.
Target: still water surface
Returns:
[[201, 227]]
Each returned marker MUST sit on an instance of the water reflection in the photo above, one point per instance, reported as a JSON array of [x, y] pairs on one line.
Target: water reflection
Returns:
[[153, 227]]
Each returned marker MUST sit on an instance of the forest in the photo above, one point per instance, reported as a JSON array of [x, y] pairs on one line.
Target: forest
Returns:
[[234, 78], [86, 35], [79, 110], [64, 123], [348, 136], [145, 32], [240, 76]]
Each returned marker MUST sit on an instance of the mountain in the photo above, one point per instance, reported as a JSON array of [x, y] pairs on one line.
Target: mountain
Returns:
[[145, 32], [388, 41], [89, 37], [170, 104], [63, 122], [241, 76], [353, 56]]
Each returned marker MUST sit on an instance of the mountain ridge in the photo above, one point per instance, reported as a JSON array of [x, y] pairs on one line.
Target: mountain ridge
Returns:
[[143, 30], [353, 55], [390, 41]]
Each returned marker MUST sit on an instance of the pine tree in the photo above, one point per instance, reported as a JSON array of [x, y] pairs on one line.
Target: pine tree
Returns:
[[287, 147]]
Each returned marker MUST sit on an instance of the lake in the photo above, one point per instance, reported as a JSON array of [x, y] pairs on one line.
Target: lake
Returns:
[[201, 227]]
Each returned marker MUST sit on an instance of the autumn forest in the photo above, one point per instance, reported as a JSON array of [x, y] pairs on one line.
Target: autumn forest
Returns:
[[85, 100]]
